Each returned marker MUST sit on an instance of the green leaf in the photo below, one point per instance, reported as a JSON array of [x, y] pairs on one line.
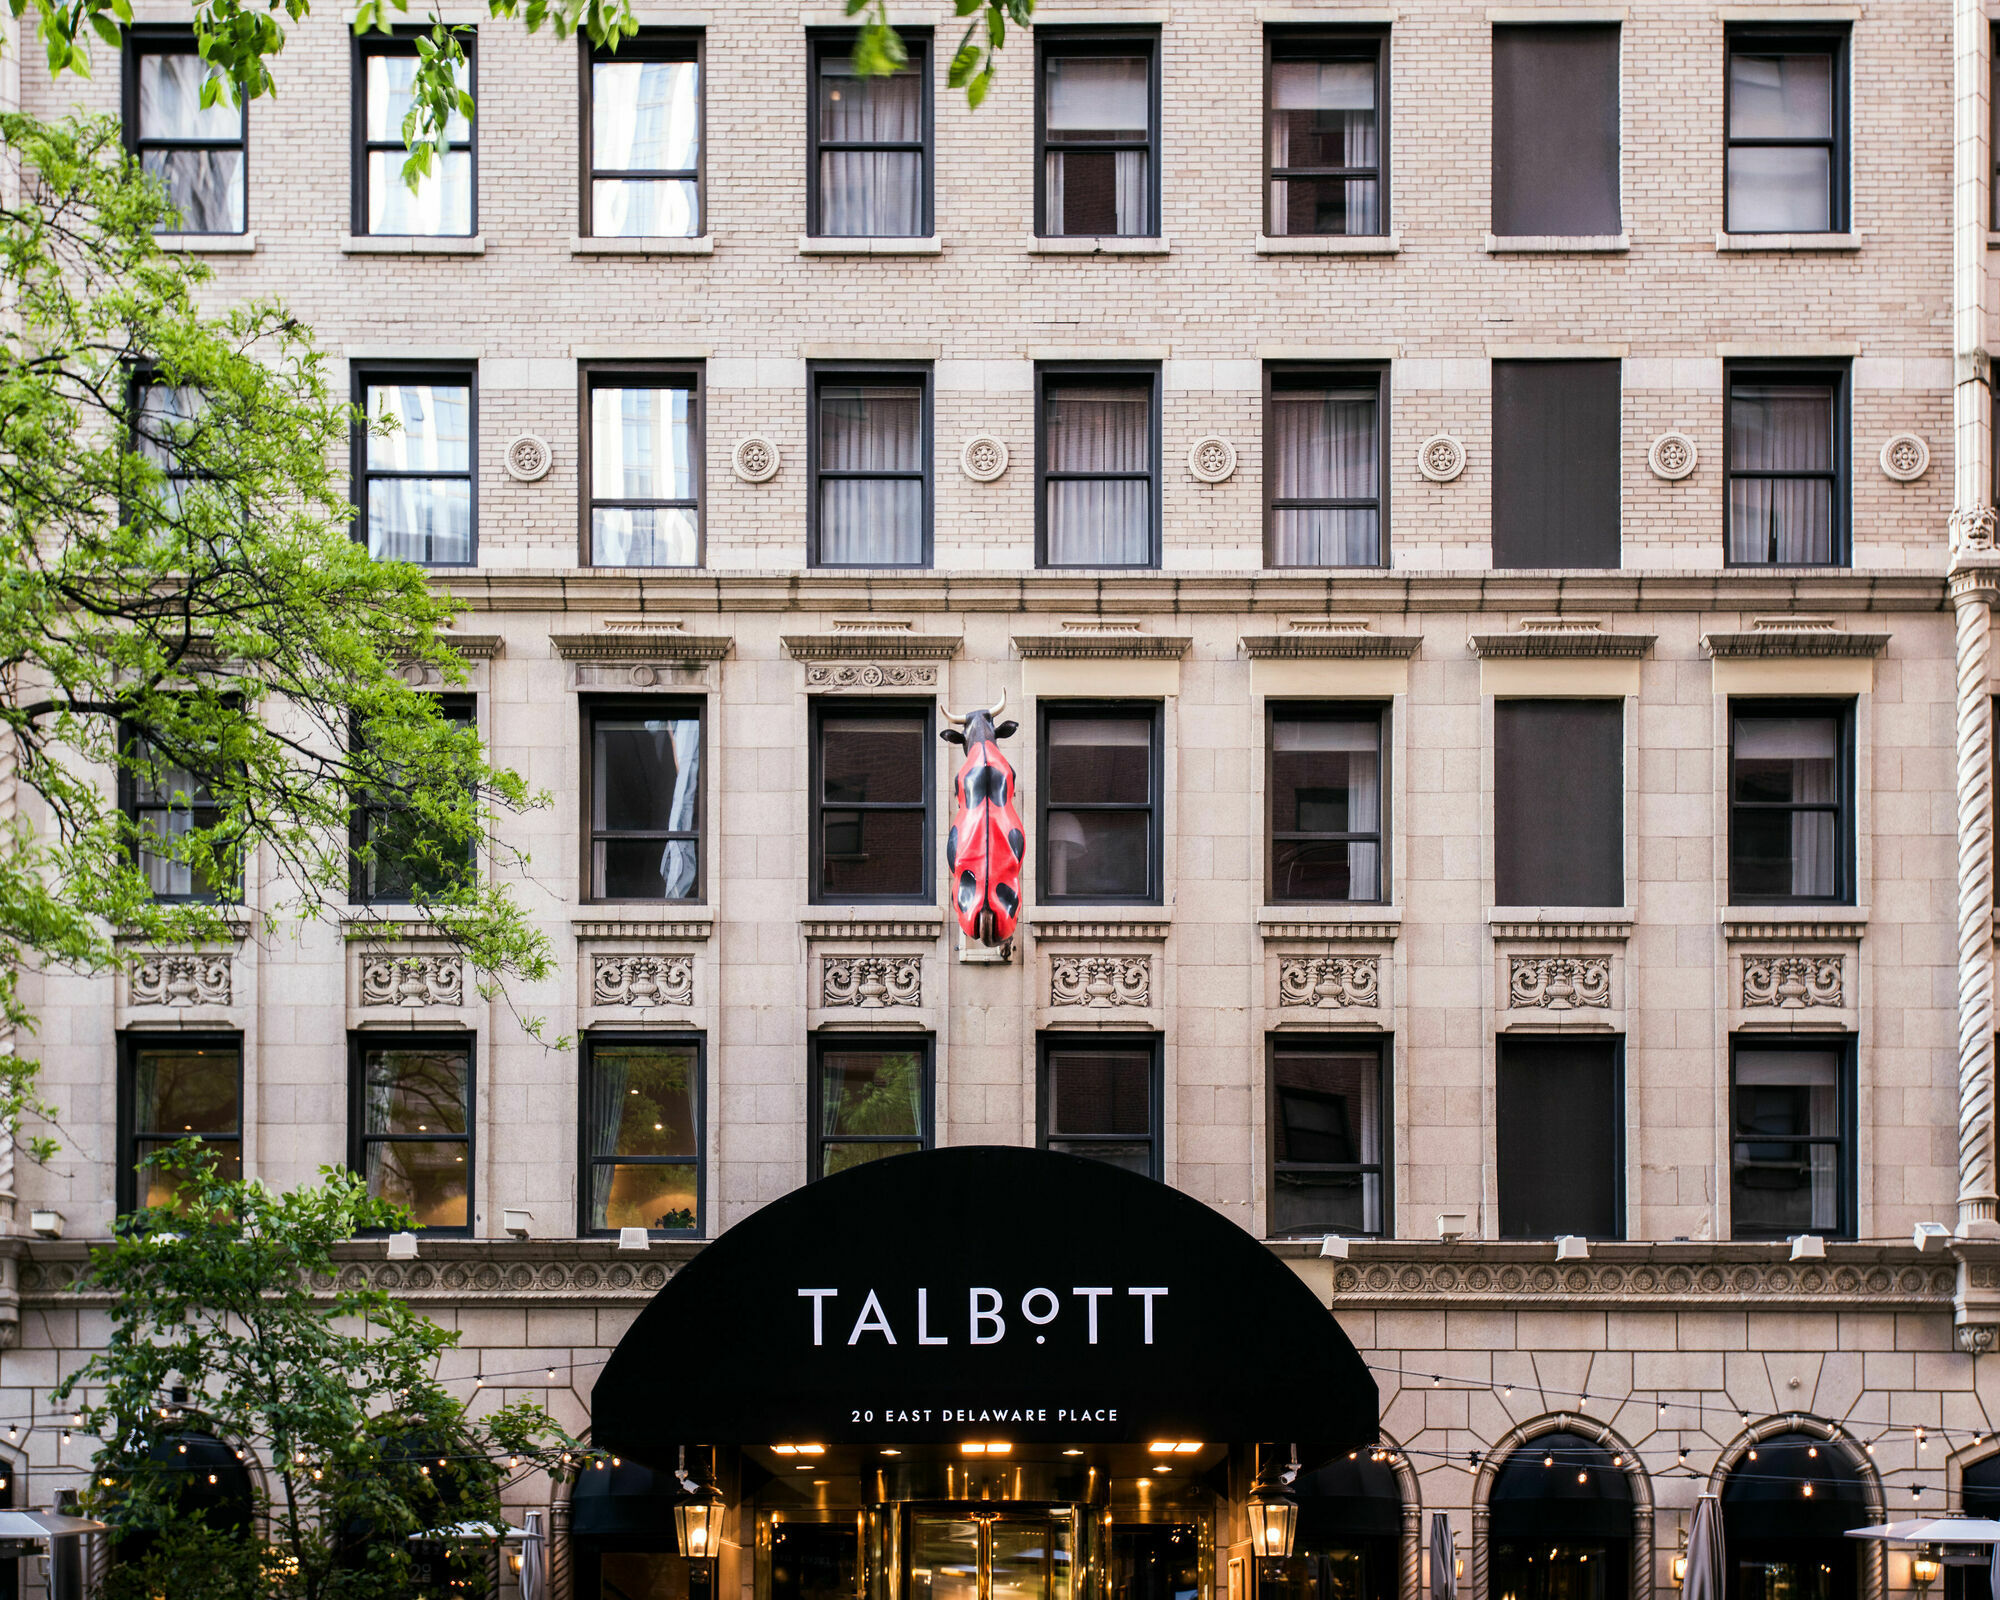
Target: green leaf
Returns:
[[964, 63], [975, 91]]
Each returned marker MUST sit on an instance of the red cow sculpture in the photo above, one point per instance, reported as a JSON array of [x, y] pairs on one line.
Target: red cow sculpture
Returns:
[[985, 845]]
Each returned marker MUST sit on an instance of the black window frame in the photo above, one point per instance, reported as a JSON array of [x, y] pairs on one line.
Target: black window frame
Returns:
[[662, 707], [1098, 41], [1620, 1154], [886, 374], [1049, 711], [438, 374], [174, 39], [588, 1159], [1063, 371], [460, 706], [130, 735], [1080, 1041], [833, 708], [1331, 42], [1283, 375], [1384, 1166], [648, 44], [594, 375], [359, 1042], [1380, 712], [1782, 38], [1799, 370], [824, 42], [402, 41], [1846, 1141], [1844, 806], [130, 1045], [924, 1045]]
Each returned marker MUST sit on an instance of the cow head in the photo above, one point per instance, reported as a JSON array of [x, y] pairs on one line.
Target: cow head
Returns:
[[976, 726]]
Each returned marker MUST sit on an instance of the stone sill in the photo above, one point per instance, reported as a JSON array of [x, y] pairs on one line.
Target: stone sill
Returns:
[[1370, 923], [873, 922], [1794, 922], [1767, 243], [1330, 244], [644, 245], [612, 921], [207, 244], [1560, 922], [412, 245], [1590, 244], [931, 245], [1099, 246], [1102, 922]]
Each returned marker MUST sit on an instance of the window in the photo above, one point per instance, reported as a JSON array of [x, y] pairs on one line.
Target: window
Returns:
[[870, 1098], [1098, 459], [1325, 782], [1785, 1516], [1555, 463], [644, 489], [1559, 802], [1100, 1098], [164, 801], [174, 1087], [1324, 98], [871, 467], [166, 420], [197, 151], [395, 861], [1787, 466], [1325, 466], [871, 168], [1787, 119], [415, 482], [643, 138], [410, 1120], [1792, 1138], [1097, 117], [642, 1134], [1100, 822], [1791, 790], [1329, 1134], [644, 802], [1560, 1521], [1560, 1129], [445, 200], [1555, 131], [872, 787]]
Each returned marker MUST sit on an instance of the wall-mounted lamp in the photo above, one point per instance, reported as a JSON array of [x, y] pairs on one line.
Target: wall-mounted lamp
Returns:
[[1924, 1567], [1681, 1559], [49, 1224], [697, 1514], [1273, 1512]]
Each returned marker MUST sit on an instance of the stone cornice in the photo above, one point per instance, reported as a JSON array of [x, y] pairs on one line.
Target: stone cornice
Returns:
[[609, 924], [1151, 924], [1796, 923], [857, 646], [1084, 644], [1559, 922], [1342, 645], [1560, 637], [642, 644], [914, 923], [1777, 639], [473, 646], [1323, 924]]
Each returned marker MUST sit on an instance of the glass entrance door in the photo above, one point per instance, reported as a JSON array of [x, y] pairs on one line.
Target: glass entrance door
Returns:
[[990, 1556]]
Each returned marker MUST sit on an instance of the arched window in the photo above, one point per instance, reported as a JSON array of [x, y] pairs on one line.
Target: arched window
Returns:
[[1560, 1522], [1981, 1494], [1786, 1505], [621, 1529], [200, 1473], [1349, 1537]]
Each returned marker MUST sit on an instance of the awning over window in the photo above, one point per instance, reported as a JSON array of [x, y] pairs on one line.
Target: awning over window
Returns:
[[1766, 1498], [1561, 1486], [983, 1292]]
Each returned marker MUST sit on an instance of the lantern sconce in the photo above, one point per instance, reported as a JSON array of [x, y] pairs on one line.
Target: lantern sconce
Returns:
[[1925, 1567], [1681, 1559], [698, 1515], [1273, 1512]]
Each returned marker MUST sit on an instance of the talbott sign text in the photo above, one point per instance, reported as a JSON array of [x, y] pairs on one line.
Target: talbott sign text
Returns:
[[987, 1318]]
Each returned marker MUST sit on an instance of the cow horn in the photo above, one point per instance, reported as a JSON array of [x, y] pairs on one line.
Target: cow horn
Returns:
[[999, 706], [956, 722]]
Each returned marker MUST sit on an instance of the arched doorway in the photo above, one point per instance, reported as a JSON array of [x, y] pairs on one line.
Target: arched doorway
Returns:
[[1357, 1532], [1560, 1521], [1788, 1498]]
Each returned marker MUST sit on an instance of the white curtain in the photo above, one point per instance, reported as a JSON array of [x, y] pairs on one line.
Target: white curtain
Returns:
[[1324, 447], [1818, 1073], [677, 861], [1808, 746], [1098, 98], [1330, 107], [871, 521], [1108, 521], [1781, 428], [870, 193], [607, 1116]]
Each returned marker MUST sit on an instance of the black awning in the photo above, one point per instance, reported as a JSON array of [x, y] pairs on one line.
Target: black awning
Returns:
[[1561, 1486], [983, 1292], [1766, 1498]]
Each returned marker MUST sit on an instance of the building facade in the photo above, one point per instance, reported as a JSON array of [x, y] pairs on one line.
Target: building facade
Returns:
[[1481, 517]]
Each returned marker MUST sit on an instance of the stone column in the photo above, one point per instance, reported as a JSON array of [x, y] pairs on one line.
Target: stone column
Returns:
[[1972, 607]]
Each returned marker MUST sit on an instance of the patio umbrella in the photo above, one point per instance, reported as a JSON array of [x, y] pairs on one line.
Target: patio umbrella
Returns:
[[533, 1580], [1705, 1554], [1444, 1566]]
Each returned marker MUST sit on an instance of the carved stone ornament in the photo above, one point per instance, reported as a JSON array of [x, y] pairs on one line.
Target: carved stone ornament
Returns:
[[1559, 983], [1672, 457], [1329, 982], [871, 981], [642, 980], [871, 675], [1976, 1338], [983, 458], [1211, 459], [1100, 981], [163, 978], [528, 457], [1793, 983], [1440, 458], [1972, 529], [755, 459], [1905, 457], [412, 981]]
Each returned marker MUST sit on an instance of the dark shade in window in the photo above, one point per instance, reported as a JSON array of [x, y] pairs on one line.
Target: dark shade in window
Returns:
[[1324, 466], [1101, 1098], [1785, 162], [641, 1128], [1791, 1166], [1791, 789], [872, 787], [396, 861], [1329, 1131], [1559, 802], [645, 804], [1560, 1135], [1555, 463], [870, 1098], [199, 152], [174, 1087], [164, 799], [1097, 134], [1097, 462], [643, 439], [1555, 131], [642, 137], [871, 467], [870, 144], [1561, 1528], [415, 486], [1326, 133], [1099, 795], [1784, 1544], [445, 201], [622, 1543], [410, 1124], [1326, 794], [1787, 466]]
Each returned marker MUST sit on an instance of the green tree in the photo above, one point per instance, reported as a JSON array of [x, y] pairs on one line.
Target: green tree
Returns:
[[184, 616], [225, 1320]]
